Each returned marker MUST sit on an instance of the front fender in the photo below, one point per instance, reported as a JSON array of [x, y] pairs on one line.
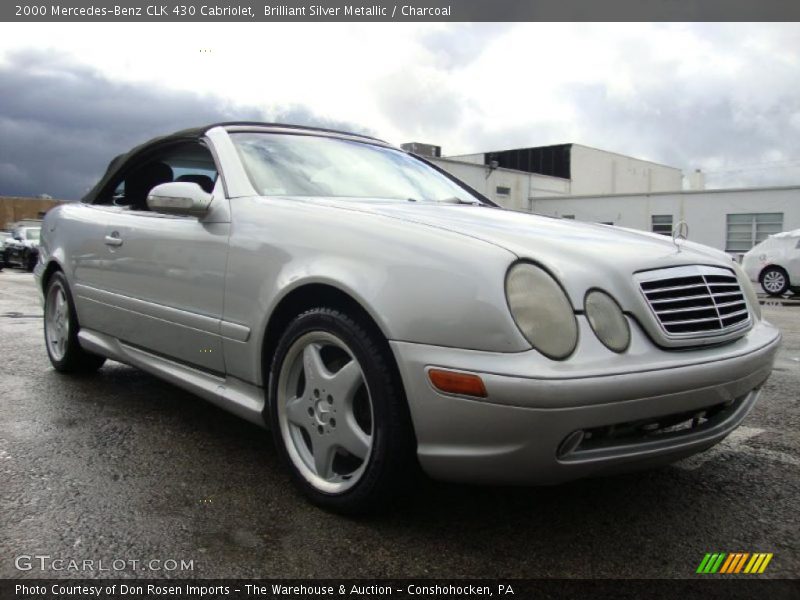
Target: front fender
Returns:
[[420, 284]]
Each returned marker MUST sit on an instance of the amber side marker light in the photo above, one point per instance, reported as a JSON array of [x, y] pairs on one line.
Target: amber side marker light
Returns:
[[457, 383]]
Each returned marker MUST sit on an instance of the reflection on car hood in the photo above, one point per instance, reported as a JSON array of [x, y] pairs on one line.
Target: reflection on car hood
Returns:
[[536, 236], [590, 254]]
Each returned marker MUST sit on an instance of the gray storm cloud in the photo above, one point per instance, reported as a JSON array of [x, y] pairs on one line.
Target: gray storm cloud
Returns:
[[61, 123]]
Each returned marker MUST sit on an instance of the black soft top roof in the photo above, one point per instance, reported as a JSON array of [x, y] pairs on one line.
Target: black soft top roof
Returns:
[[196, 133]]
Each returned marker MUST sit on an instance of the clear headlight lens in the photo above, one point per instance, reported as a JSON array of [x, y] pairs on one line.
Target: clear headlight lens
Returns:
[[541, 310], [749, 291], [607, 320]]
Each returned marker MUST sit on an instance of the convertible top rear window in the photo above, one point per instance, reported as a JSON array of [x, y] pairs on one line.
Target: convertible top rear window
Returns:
[[307, 165]]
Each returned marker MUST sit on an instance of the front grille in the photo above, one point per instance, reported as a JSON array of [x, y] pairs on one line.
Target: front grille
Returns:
[[695, 301]]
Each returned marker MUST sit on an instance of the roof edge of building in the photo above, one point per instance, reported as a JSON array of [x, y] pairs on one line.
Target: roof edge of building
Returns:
[[683, 192], [644, 160], [472, 164]]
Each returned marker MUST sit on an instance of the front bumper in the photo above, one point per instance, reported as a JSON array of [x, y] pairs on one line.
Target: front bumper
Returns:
[[520, 434]]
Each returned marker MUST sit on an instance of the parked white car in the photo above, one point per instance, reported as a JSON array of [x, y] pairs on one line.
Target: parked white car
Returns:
[[775, 263]]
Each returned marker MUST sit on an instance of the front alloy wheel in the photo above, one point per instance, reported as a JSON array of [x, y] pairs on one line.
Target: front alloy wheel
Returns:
[[338, 412], [325, 412], [774, 281]]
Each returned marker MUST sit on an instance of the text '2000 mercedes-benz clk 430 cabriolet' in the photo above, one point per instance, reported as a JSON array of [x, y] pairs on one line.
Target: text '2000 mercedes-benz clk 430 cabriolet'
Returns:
[[374, 313]]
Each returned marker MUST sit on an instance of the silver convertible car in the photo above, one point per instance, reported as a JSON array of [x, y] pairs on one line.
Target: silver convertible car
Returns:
[[377, 314]]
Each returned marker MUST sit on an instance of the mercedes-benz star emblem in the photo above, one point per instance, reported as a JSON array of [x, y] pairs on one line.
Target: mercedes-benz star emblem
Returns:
[[680, 234]]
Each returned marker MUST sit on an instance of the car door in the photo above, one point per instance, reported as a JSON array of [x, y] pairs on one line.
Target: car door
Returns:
[[162, 282]]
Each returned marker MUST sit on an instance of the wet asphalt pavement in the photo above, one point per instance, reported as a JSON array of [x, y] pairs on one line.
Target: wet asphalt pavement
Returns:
[[121, 466]]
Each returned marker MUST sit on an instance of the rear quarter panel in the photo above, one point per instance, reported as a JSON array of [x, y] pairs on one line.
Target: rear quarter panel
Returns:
[[72, 237]]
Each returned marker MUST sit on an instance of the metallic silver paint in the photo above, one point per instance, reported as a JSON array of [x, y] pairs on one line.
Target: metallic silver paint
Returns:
[[238, 397], [280, 244], [514, 436], [189, 300], [179, 198]]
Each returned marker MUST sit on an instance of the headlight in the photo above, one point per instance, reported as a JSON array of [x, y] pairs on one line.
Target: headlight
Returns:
[[607, 320], [749, 290], [541, 310]]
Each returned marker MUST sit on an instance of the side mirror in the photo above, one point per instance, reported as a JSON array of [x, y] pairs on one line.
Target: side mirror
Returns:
[[179, 198]]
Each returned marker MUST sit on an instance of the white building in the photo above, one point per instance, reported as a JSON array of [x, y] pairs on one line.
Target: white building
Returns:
[[513, 178], [733, 220], [589, 170], [508, 187]]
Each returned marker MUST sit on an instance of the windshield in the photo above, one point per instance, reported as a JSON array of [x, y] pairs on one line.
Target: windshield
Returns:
[[305, 165], [31, 233]]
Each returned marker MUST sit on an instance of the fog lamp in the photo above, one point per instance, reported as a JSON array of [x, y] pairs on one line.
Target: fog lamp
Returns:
[[607, 320]]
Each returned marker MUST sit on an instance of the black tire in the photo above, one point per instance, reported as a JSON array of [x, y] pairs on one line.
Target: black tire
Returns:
[[774, 281], [29, 260], [73, 358], [392, 461]]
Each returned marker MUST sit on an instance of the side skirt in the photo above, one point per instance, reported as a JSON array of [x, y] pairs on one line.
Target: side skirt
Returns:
[[233, 395]]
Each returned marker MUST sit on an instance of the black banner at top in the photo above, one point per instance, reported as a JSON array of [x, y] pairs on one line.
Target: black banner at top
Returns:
[[401, 11]]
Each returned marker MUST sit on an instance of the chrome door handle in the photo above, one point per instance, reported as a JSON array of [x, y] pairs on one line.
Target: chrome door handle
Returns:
[[113, 240]]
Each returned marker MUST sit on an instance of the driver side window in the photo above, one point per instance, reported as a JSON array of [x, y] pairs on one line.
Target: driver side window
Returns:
[[189, 162]]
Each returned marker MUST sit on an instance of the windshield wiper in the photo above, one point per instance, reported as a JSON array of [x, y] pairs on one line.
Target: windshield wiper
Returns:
[[457, 200], [450, 200]]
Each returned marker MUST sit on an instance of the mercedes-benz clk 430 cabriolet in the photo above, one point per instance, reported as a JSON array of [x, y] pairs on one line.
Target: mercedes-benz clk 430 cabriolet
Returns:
[[374, 312]]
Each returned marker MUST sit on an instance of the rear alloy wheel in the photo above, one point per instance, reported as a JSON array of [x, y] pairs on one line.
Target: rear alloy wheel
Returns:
[[774, 281], [338, 414], [61, 330]]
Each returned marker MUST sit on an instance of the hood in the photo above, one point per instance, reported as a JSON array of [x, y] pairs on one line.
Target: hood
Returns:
[[535, 236], [580, 255]]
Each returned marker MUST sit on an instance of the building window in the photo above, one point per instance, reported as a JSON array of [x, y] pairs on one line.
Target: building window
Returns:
[[746, 230], [568, 217], [661, 224], [503, 191]]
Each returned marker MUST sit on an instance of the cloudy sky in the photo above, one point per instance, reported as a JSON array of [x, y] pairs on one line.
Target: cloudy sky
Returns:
[[721, 97]]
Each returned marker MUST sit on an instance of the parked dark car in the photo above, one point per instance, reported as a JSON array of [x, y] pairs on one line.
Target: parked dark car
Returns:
[[5, 237], [22, 249]]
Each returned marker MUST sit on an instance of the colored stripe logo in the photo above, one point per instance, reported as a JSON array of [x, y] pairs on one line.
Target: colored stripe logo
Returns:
[[734, 562]]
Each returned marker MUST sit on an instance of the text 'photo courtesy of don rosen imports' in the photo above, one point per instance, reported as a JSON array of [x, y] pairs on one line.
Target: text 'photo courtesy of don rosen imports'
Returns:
[[75, 591]]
